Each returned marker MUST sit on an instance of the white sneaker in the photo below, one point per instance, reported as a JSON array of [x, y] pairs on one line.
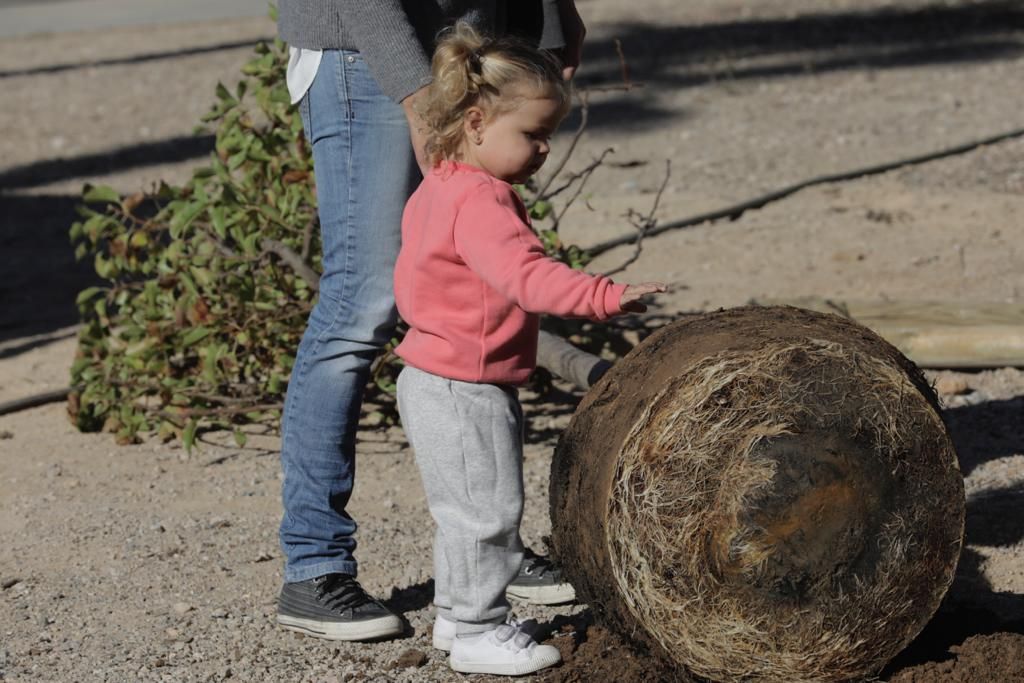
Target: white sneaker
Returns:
[[504, 651], [444, 633]]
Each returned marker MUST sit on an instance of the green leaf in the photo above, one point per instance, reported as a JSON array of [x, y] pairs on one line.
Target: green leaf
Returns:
[[94, 194], [217, 219], [236, 160], [139, 347], [540, 209], [240, 438], [86, 294], [195, 335], [188, 435], [203, 276], [188, 283], [223, 94]]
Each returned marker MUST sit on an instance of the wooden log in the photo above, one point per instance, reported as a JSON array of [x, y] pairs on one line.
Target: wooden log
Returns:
[[935, 334], [569, 362], [761, 493]]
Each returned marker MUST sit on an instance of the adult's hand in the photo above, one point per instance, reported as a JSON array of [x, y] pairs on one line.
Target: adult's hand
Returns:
[[417, 129], [573, 31]]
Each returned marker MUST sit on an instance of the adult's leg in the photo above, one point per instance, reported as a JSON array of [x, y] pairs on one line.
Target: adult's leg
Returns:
[[365, 170]]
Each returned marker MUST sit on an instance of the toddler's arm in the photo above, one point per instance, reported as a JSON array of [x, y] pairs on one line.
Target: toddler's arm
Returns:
[[493, 239]]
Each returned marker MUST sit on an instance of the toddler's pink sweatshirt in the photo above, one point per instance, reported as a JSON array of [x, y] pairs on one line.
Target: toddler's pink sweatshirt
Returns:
[[472, 279]]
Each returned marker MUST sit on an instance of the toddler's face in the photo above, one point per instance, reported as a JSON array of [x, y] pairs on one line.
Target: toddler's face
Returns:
[[514, 145]]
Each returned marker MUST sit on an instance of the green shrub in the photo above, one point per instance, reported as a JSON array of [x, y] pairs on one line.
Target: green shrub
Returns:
[[209, 284], [202, 314]]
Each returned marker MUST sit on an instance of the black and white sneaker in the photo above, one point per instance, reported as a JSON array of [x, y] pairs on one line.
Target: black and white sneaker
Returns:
[[540, 582], [335, 607]]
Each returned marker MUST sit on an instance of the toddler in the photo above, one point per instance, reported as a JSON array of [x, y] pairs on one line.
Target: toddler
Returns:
[[471, 281]]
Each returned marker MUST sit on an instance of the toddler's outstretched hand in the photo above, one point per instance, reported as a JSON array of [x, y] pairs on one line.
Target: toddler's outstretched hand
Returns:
[[630, 300]]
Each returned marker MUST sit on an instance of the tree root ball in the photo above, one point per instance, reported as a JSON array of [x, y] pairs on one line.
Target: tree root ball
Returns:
[[762, 493]]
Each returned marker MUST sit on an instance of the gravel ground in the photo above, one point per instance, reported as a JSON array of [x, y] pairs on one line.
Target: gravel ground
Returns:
[[141, 563]]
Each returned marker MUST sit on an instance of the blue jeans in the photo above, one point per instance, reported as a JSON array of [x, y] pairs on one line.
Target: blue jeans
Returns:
[[365, 171]]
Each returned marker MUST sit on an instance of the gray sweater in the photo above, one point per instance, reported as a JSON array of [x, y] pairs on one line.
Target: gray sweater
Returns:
[[396, 37]]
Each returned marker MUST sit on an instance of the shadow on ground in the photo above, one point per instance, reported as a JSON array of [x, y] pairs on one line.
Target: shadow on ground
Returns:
[[671, 57], [145, 154], [986, 431], [41, 276]]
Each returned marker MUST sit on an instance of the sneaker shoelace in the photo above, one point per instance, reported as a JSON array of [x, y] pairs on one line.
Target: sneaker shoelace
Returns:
[[540, 565], [342, 592]]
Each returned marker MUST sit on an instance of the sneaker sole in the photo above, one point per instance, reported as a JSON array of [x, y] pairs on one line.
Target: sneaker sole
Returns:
[[542, 595], [370, 629], [442, 643], [511, 669]]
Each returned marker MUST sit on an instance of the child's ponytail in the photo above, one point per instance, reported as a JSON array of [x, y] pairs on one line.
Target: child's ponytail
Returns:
[[494, 74]]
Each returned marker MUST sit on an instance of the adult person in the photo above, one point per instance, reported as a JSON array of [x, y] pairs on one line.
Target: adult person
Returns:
[[357, 69]]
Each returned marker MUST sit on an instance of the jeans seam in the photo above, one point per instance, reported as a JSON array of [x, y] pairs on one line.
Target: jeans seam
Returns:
[[342, 84], [350, 204]]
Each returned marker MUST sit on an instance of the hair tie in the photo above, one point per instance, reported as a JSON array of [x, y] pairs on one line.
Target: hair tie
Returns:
[[476, 59]]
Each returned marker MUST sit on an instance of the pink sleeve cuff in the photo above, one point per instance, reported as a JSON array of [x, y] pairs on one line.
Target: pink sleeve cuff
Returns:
[[613, 299]]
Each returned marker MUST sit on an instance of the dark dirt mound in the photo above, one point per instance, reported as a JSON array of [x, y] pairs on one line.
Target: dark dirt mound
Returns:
[[595, 655], [979, 659], [962, 646]]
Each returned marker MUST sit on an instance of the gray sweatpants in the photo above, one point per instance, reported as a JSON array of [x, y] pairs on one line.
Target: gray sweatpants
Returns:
[[468, 441]]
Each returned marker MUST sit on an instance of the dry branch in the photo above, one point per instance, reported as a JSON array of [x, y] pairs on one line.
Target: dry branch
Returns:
[[736, 210], [936, 334]]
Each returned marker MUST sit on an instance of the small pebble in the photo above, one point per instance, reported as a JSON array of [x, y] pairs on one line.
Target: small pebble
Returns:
[[949, 385], [182, 608], [411, 658]]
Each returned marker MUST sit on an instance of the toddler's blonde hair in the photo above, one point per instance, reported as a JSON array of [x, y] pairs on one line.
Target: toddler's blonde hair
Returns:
[[495, 74]]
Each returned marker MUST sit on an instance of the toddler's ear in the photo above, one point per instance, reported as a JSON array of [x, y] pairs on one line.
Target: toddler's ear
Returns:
[[473, 125]]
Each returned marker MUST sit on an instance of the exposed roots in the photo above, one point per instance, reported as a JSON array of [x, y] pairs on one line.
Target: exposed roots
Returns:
[[687, 543]]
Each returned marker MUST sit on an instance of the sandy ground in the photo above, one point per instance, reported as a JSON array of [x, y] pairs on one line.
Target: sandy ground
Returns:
[[144, 563]]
